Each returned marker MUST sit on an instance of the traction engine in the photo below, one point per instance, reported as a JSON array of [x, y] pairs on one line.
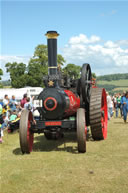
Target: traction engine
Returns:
[[65, 104]]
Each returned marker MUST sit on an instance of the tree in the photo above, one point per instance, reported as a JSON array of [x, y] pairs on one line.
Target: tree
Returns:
[[18, 74], [72, 70], [60, 60], [93, 75], [41, 53], [36, 71], [1, 73], [38, 65]]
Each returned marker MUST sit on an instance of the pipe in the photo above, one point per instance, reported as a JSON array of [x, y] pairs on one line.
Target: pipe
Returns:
[[52, 52]]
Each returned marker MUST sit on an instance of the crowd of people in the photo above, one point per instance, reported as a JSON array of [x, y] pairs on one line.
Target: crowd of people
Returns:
[[10, 110], [118, 105]]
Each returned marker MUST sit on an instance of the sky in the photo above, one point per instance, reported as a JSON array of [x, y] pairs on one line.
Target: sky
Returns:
[[94, 32]]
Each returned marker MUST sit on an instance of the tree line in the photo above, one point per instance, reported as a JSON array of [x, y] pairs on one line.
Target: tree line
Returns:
[[113, 77]]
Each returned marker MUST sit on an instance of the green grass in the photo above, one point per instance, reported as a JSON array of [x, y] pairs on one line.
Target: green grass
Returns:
[[121, 83], [56, 167], [122, 88]]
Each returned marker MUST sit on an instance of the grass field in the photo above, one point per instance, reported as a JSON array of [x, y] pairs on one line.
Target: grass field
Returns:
[[121, 83], [56, 167]]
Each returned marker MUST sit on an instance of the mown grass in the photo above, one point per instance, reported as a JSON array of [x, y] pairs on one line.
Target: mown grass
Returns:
[[122, 88], [121, 83], [56, 167]]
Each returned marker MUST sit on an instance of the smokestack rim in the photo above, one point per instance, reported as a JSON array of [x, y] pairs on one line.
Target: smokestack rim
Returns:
[[52, 34]]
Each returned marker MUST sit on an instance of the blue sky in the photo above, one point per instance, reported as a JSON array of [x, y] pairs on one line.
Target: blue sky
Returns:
[[103, 26]]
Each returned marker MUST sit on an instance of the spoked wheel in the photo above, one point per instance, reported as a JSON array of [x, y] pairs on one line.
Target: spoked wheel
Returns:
[[98, 113], [26, 136], [86, 82], [81, 136]]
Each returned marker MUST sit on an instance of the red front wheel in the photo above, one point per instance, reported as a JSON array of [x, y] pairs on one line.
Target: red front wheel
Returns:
[[26, 136]]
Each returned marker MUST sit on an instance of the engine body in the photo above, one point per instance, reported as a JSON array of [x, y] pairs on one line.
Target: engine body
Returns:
[[58, 103]]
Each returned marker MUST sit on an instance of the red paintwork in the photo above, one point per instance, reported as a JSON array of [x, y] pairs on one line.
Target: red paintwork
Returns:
[[53, 108], [104, 119], [30, 136], [85, 130], [74, 103], [53, 123]]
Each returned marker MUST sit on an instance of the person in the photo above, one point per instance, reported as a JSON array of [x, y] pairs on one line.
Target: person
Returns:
[[23, 101], [124, 102], [123, 95], [109, 105], [118, 104], [28, 105], [13, 123], [13, 103], [1, 122], [6, 106]]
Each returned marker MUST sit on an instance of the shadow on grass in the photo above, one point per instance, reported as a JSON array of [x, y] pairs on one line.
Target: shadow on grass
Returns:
[[42, 144]]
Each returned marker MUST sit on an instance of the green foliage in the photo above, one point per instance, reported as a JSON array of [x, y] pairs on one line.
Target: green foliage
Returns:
[[122, 82], [1, 73], [40, 55], [72, 71], [17, 74], [108, 87], [1, 86], [93, 75], [115, 86], [38, 66], [36, 71], [113, 77], [60, 60]]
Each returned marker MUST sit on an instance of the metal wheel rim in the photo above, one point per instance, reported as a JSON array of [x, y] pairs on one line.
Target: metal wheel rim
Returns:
[[81, 136], [26, 137]]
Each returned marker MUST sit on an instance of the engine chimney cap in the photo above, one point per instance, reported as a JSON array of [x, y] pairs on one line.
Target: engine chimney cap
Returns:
[[52, 34]]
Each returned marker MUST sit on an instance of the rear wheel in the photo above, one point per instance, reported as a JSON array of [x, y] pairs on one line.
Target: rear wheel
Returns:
[[81, 136], [98, 113], [26, 136]]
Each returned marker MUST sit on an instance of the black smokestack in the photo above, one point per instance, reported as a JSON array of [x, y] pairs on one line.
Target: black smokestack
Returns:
[[52, 52]]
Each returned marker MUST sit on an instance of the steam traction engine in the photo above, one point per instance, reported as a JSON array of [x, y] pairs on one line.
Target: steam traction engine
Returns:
[[65, 104]]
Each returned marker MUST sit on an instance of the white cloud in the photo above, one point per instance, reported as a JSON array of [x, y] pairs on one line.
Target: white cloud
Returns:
[[104, 57], [82, 39], [5, 59]]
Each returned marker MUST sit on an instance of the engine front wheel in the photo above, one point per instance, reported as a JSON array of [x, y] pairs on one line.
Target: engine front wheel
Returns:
[[25, 134], [81, 136]]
